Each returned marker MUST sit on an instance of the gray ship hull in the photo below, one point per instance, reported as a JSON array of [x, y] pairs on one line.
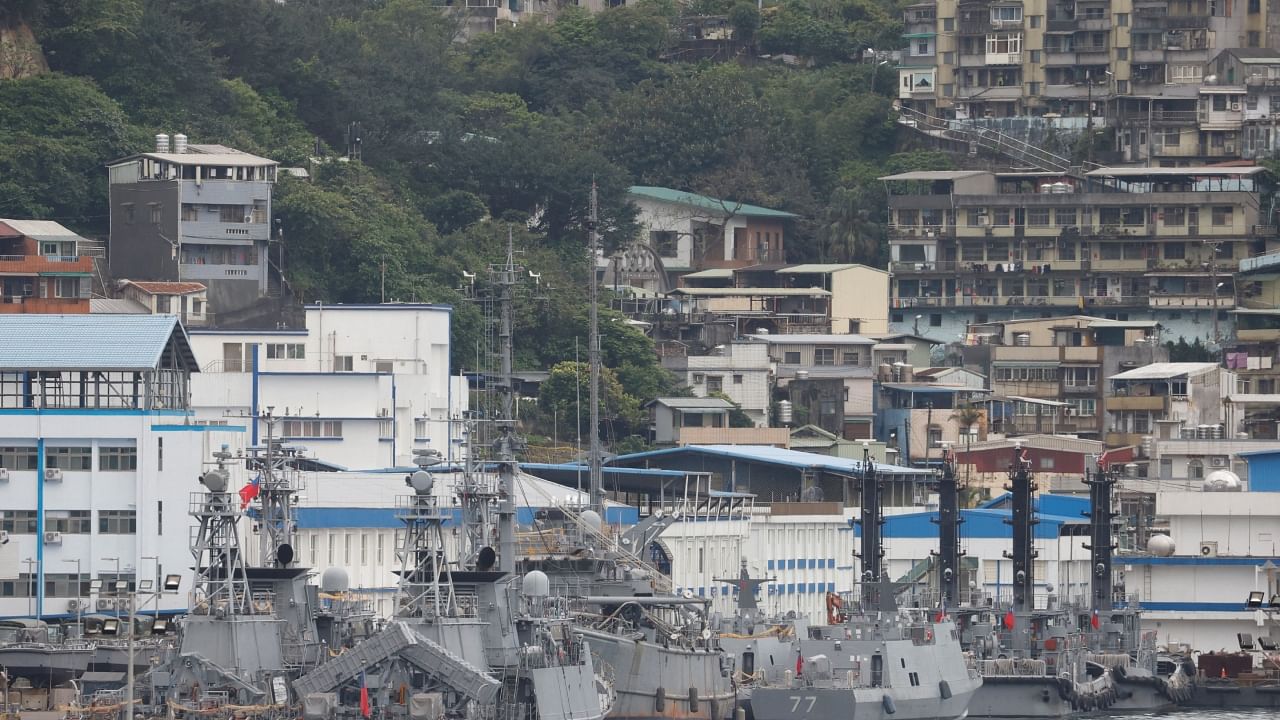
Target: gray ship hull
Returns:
[[1019, 697], [860, 703], [653, 681], [45, 665], [1230, 694]]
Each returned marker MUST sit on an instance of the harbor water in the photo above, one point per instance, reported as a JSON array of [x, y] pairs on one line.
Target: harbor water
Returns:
[[1197, 714]]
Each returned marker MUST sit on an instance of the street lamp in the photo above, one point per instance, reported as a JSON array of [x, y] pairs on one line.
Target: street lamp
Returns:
[[79, 601], [171, 581], [31, 579]]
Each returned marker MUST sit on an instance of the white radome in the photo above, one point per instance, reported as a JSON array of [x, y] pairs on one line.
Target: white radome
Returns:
[[1160, 545], [334, 580], [1221, 481]]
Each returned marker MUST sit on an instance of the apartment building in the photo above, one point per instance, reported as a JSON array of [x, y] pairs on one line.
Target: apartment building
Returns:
[[739, 370], [993, 59], [42, 269], [1257, 346], [827, 378], [1129, 244], [917, 418], [189, 212], [1148, 400], [1046, 373]]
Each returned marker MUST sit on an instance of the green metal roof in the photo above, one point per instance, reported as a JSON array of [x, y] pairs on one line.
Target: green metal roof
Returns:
[[724, 207]]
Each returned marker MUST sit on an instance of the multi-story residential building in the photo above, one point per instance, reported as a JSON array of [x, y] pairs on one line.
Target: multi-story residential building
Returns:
[[195, 213], [683, 232], [978, 59], [917, 418], [188, 300], [42, 269], [362, 386], [1143, 400], [1257, 345], [738, 370], [98, 459], [833, 379], [1156, 244], [668, 416], [1046, 372]]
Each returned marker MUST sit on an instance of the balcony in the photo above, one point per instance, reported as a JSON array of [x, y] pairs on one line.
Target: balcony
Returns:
[[1060, 25], [1011, 58], [1119, 439], [40, 264], [1059, 58], [926, 268], [778, 437], [1155, 403], [980, 26], [1232, 119], [1170, 300], [1262, 81], [1032, 301], [1149, 56], [1261, 335], [1093, 24], [1186, 22]]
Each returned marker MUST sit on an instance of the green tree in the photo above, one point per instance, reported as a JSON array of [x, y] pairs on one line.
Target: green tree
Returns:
[[620, 413]]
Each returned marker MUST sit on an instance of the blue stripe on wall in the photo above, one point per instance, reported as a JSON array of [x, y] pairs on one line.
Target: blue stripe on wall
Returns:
[[1194, 560]]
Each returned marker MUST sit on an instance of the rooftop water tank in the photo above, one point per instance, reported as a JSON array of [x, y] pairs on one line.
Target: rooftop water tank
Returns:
[[179, 143], [784, 412], [1221, 481], [1160, 545], [162, 143]]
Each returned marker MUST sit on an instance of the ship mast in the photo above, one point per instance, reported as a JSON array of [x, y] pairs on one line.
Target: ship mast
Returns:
[[276, 497], [593, 357], [507, 443], [874, 595], [1023, 520], [1100, 545], [948, 521], [220, 580]]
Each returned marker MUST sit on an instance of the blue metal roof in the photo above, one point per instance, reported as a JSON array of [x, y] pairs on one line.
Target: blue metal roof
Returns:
[[1068, 506], [619, 471], [775, 456], [91, 342], [976, 524]]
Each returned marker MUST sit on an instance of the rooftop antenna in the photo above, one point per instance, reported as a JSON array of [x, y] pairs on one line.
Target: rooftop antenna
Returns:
[[593, 358]]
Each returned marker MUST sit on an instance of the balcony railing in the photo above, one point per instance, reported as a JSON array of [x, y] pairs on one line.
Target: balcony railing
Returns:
[[1021, 301], [1093, 24]]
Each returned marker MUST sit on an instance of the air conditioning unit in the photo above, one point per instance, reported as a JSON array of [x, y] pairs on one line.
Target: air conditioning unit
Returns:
[[1235, 107], [384, 412], [4, 474], [1209, 548], [106, 603], [53, 475], [1230, 148], [248, 218], [73, 606], [1069, 412], [1217, 462], [4, 536], [53, 538]]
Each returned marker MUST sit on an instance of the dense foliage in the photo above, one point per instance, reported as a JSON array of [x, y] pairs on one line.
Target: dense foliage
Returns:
[[452, 145]]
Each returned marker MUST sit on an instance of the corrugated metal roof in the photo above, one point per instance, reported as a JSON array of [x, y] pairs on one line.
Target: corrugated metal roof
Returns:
[[90, 342], [41, 229], [934, 388], [776, 456], [117, 306], [823, 268], [226, 157], [724, 207], [693, 403], [935, 175], [1037, 442], [710, 274], [1164, 371], [751, 292], [167, 288], [1199, 171], [813, 339]]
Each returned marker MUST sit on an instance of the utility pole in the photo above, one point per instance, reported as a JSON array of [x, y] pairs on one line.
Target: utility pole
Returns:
[[593, 358]]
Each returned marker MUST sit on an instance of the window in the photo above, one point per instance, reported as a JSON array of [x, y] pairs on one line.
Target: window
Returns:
[[1187, 73], [893, 317], [127, 208], [313, 428], [364, 548], [117, 522], [935, 320], [1001, 217], [190, 213], [291, 351], [1038, 217], [849, 357], [922, 48], [1035, 56], [160, 518], [18, 522], [824, 356], [1122, 19], [974, 218], [1083, 407], [949, 24], [1255, 7], [699, 378], [342, 363], [1006, 14], [155, 213], [382, 541], [1254, 39], [1175, 251], [1035, 20], [67, 287], [793, 357], [1080, 376], [69, 458], [935, 436], [737, 379], [715, 383], [1171, 138], [19, 458], [663, 242], [1222, 215], [911, 253], [69, 522], [230, 213], [1065, 217], [333, 541], [1046, 463], [420, 429], [1122, 53], [1175, 217], [118, 458], [160, 453], [1178, 388], [1004, 43]]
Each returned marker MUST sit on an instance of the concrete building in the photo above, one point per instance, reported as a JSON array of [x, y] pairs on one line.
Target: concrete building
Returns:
[[1185, 394], [188, 300], [739, 370], [1124, 244], [42, 268], [827, 378], [917, 418], [683, 232], [1046, 372], [199, 213], [669, 416], [1060, 463], [361, 386], [98, 459]]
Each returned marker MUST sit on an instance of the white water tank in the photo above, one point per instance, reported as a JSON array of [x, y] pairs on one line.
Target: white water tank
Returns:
[[1160, 545], [1221, 481], [180, 143], [784, 412], [162, 143]]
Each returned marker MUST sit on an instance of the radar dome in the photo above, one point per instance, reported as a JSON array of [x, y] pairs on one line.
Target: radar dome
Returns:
[[334, 580], [591, 519], [535, 584], [421, 482], [215, 480], [1160, 545], [1221, 481]]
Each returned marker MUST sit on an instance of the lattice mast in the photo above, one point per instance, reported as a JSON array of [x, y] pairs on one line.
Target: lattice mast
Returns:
[[277, 496], [220, 579]]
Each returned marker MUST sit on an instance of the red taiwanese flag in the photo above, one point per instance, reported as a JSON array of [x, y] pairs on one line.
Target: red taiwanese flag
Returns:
[[1008, 620], [1103, 460], [1094, 621], [799, 664], [249, 492], [365, 710]]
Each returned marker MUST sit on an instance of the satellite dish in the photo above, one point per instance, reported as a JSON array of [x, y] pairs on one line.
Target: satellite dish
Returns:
[[486, 559], [284, 554], [688, 594]]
